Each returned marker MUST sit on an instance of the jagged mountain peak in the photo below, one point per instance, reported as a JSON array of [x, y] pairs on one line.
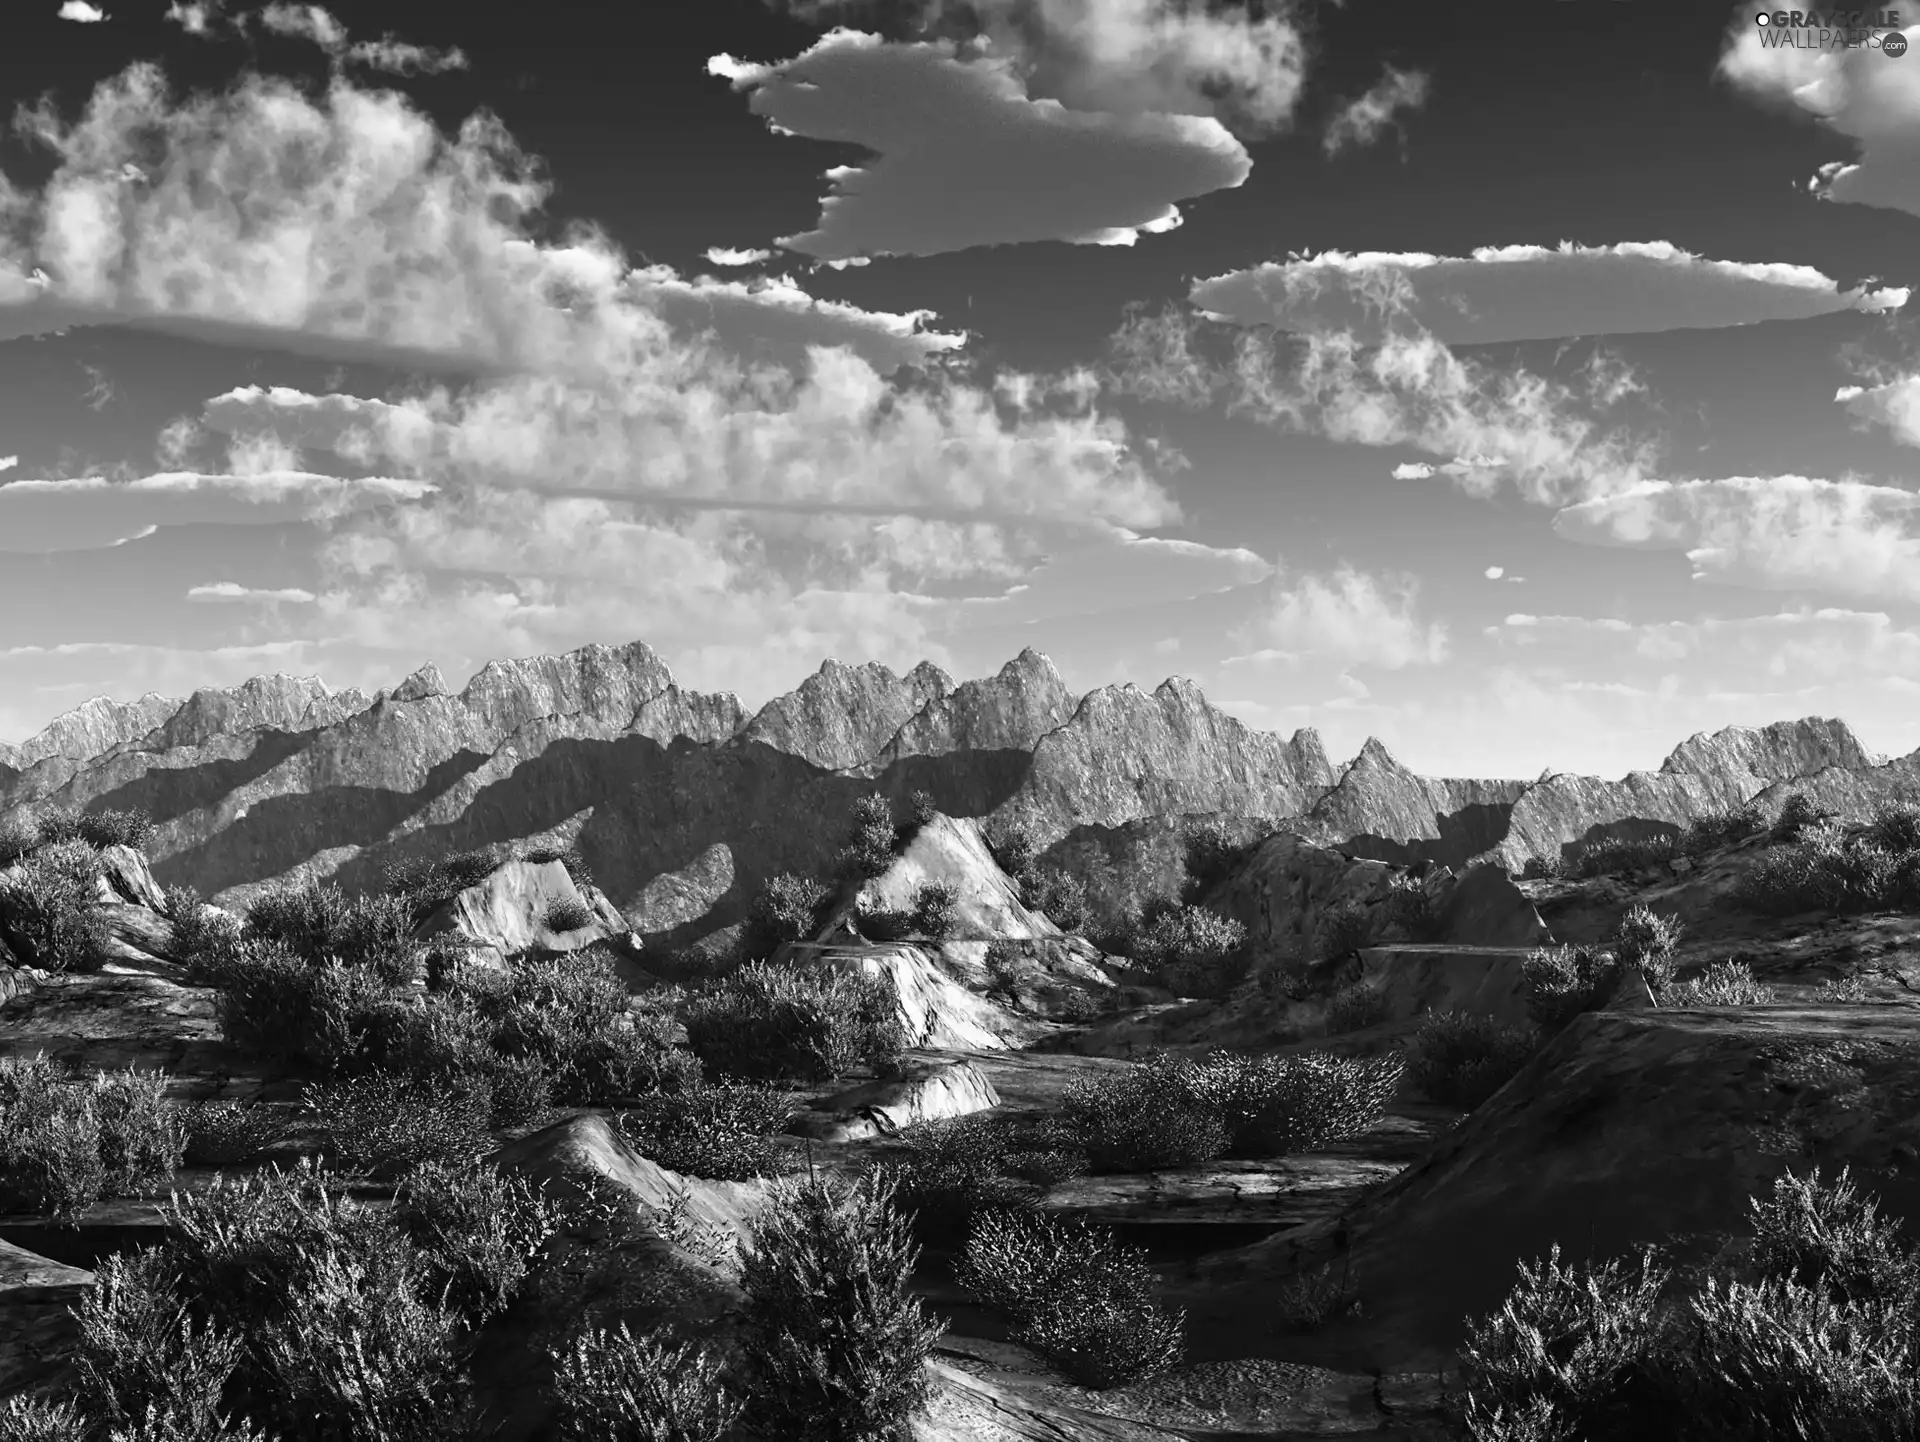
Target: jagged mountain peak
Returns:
[[844, 715], [1778, 751], [426, 681]]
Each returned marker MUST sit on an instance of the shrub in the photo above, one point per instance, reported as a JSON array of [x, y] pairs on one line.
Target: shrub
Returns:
[[290, 1013], [1895, 827], [1344, 930], [568, 913], [223, 1134], [1410, 906], [380, 1125], [1210, 854], [427, 883], [42, 1419], [1147, 1118], [870, 841], [787, 908], [1060, 896], [921, 808], [1613, 855], [952, 1171], [1274, 1106], [569, 1015], [65, 1141], [1307, 1303], [1544, 868], [1194, 950], [1825, 868], [835, 1339], [477, 1230], [48, 900], [726, 1132], [611, 1386], [1832, 1238], [933, 909], [1563, 981], [1074, 1294], [1796, 814], [1570, 1355], [1460, 1059], [1725, 983], [1355, 1007], [102, 829], [19, 834], [1015, 846], [1704, 833], [790, 1022], [1647, 940]]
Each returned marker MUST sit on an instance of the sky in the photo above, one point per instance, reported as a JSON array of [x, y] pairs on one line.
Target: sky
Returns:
[[1528, 384]]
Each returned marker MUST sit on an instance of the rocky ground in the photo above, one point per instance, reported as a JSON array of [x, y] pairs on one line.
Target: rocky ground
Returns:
[[1633, 1123]]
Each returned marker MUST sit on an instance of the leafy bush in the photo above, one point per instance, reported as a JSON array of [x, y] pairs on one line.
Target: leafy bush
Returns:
[[318, 923], [792, 1022], [1615, 855], [1210, 854], [380, 1124], [611, 1386], [922, 808], [1410, 906], [1563, 981], [1355, 1007], [933, 909], [871, 840], [42, 1419], [1193, 949], [1015, 846], [836, 1343], [427, 883], [1797, 813], [1074, 1294], [1647, 940], [1308, 1302], [1826, 868], [1147, 1118], [279, 1007], [48, 900], [787, 908], [224, 1134], [1058, 895], [570, 1016], [1460, 1059], [728, 1132], [1895, 827], [1725, 983], [67, 1141], [1274, 1106], [567, 856], [952, 1171], [115, 828], [1705, 833], [1344, 930], [477, 1232], [567, 913], [19, 834]]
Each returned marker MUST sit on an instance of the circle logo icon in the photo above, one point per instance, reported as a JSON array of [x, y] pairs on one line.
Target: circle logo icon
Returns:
[[1895, 44], [1761, 18]]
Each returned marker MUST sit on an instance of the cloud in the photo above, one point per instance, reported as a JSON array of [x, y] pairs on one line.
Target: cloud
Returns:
[[1525, 292], [233, 591], [965, 158], [1118, 572], [1367, 117], [1768, 532], [1859, 94], [1494, 573], [321, 27], [1346, 616], [1128, 57], [1498, 422], [7, 463], [725, 255], [1895, 405], [777, 319], [82, 13], [196, 17], [80, 513]]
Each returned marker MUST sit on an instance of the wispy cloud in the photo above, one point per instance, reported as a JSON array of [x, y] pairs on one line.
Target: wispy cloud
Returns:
[[1365, 118], [196, 17], [231, 591], [318, 25], [725, 255], [1348, 617], [7, 463], [966, 158], [1526, 292]]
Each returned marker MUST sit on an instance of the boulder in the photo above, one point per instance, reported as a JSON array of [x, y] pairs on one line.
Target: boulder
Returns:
[[1483, 907], [37, 1327], [125, 876], [935, 1010], [931, 1090], [509, 911], [987, 905]]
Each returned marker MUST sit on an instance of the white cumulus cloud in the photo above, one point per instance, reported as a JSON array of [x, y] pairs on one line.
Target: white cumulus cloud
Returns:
[[82, 13], [1365, 118]]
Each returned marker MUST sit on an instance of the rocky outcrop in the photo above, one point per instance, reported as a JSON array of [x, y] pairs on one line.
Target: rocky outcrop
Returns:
[[277, 703], [1381, 809], [38, 1329], [843, 715], [931, 1091], [1562, 810], [519, 907], [1853, 795], [1010, 711], [89, 729], [1778, 752], [986, 905]]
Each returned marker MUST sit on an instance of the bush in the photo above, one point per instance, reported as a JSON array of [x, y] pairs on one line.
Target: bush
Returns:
[[66, 1141], [224, 1134], [1459, 1059], [42, 1419], [1615, 855], [611, 1386], [1060, 896], [1344, 930], [379, 1124], [789, 1022], [19, 834], [1725, 983], [1825, 868], [567, 856], [567, 913], [1354, 1008], [836, 1341], [276, 1006], [933, 909], [921, 808], [871, 841], [1074, 1294], [48, 900], [1147, 1118], [727, 1132], [1274, 1106], [115, 828], [1563, 981], [787, 908], [477, 1231], [1797, 813], [1307, 1303], [1194, 950], [1704, 833], [425, 884], [570, 1017], [319, 923], [1015, 846], [952, 1171], [1210, 854], [1895, 827], [1410, 906], [1647, 940]]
